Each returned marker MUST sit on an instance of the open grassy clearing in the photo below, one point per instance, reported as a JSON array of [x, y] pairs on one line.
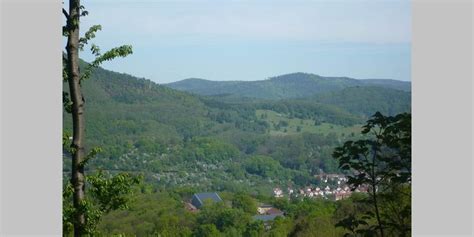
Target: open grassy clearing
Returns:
[[281, 124]]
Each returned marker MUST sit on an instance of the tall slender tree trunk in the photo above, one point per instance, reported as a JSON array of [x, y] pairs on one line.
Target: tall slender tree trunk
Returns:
[[377, 212], [374, 191], [78, 153]]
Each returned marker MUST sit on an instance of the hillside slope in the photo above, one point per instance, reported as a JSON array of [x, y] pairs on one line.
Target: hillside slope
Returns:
[[214, 142], [365, 100], [122, 110]]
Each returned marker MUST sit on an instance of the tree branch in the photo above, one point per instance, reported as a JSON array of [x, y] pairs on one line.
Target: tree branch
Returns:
[[65, 14]]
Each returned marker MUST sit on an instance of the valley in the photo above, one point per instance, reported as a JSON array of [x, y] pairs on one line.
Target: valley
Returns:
[[177, 138], [183, 142]]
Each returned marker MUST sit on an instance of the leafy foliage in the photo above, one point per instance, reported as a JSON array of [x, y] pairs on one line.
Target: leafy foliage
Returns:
[[162, 213], [263, 165], [112, 193], [383, 163], [244, 202], [105, 194]]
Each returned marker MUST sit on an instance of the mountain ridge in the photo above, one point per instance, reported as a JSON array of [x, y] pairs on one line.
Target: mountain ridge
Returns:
[[292, 85]]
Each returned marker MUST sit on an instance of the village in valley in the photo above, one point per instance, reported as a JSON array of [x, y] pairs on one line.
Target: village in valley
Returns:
[[265, 212], [334, 187]]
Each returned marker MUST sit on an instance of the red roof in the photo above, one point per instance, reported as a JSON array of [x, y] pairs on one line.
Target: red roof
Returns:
[[273, 211]]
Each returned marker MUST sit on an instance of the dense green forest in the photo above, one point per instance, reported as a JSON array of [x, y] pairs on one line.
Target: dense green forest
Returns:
[[162, 213], [146, 127], [242, 145]]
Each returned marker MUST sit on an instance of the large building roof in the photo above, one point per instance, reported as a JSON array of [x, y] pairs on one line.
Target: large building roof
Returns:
[[199, 198], [266, 218]]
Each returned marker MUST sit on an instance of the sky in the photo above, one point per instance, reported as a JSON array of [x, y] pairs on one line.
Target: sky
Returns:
[[254, 39]]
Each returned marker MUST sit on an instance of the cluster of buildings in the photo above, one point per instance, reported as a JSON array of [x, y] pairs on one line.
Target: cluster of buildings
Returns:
[[314, 192], [265, 212], [333, 187]]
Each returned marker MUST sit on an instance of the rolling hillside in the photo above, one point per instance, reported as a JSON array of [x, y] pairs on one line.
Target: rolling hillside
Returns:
[[295, 85], [123, 111], [176, 137], [367, 99]]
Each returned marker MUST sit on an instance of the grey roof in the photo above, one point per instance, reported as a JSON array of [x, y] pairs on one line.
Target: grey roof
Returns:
[[198, 198], [265, 218]]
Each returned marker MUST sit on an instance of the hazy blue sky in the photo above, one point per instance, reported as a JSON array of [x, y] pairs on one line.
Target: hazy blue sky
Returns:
[[255, 39]]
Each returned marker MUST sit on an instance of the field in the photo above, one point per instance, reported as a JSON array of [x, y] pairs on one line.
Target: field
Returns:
[[281, 125]]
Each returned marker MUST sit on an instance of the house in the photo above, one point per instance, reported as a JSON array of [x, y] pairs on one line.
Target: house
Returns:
[[277, 192], [263, 208], [199, 199], [266, 209], [274, 211], [341, 195]]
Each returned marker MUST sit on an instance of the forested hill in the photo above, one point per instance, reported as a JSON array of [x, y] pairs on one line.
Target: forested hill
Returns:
[[123, 111], [294, 85], [145, 127], [364, 100]]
